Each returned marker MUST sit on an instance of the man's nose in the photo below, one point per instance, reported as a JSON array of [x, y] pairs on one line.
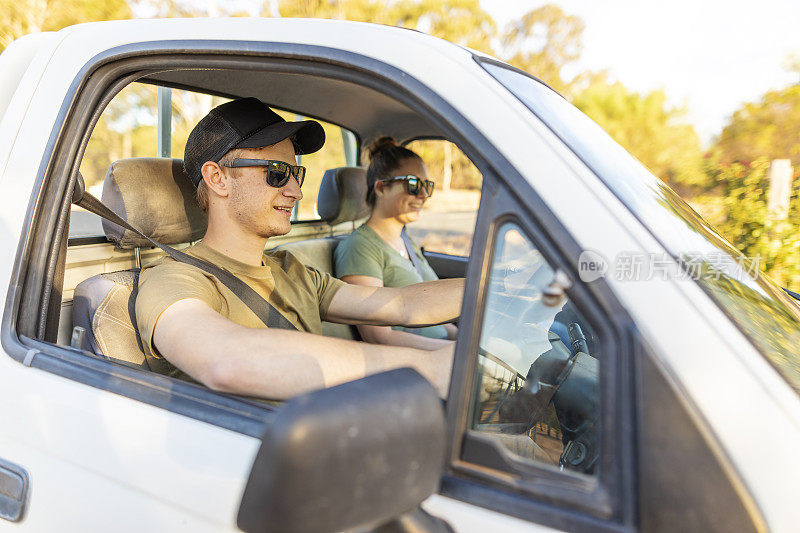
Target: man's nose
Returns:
[[292, 189]]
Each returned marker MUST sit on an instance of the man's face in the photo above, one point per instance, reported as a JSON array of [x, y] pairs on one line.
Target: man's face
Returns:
[[257, 207]]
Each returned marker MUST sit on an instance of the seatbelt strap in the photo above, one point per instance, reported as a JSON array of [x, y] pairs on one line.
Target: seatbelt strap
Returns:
[[412, 254], [262, 308]]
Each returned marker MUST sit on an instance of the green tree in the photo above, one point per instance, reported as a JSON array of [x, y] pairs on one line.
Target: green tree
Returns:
[[543, 42], [649, 129], [747, 224], [768, 128], [459, 21], [28, 16]]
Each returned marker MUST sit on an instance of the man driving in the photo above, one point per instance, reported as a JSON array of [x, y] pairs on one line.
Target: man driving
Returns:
[[241, 156]]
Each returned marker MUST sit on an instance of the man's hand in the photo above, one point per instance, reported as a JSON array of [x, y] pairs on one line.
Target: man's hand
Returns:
[[277, 363], [422, 304]]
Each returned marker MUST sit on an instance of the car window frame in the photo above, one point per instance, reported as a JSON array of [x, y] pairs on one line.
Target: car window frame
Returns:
[[549, 497], [38, 254]]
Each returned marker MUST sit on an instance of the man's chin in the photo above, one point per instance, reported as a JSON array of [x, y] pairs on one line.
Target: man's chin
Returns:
[[276, 230]]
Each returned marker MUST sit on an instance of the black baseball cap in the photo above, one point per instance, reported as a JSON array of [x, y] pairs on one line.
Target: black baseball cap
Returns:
[[245, 123]]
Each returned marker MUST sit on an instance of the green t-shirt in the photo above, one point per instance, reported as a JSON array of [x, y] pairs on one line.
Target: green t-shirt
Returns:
[[300, 293], [364, 253]]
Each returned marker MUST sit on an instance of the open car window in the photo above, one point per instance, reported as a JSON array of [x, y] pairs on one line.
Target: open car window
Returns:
[[446, 223], [131, 127]]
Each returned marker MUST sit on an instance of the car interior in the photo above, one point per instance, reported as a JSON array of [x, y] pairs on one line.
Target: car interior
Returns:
[[154, 195]]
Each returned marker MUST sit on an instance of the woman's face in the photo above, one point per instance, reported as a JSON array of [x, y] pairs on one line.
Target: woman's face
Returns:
[[392, 199]]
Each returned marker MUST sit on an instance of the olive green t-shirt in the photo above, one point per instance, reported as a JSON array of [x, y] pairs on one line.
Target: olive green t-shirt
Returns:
[[365, 253], [300, 293]]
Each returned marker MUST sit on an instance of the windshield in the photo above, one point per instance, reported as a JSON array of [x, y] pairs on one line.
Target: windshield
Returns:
[[760, 309]]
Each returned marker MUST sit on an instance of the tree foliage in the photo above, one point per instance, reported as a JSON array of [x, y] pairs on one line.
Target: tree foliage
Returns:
[[768, 128], [648, 128], [460, 21], [747, 223], [28, 16], [543, 42]]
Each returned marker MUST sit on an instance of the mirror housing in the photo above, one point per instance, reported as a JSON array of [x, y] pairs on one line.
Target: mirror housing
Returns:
[[359, 454]]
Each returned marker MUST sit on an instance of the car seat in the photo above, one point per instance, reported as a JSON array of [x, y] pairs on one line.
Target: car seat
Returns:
[[156, 196], [342, 198]]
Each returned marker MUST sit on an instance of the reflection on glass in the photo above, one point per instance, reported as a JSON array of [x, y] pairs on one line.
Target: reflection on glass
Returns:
[[536, 390]]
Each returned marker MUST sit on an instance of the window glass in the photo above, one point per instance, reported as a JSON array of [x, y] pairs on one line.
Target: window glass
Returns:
[[446, 223], [536, 388]]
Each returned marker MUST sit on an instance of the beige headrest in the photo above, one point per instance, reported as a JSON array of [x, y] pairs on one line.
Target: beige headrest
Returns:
[[343, 195], [155, 196]]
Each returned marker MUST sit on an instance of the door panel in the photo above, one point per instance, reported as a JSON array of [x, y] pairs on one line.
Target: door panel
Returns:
[[447, 266], [102, 462], [466, 518]]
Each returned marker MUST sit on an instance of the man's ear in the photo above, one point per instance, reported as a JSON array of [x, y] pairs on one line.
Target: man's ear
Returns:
[[378, 188], [214, 178]]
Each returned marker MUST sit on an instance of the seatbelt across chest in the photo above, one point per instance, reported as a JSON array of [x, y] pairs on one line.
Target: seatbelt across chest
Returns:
[[270, 316], [412, 254]]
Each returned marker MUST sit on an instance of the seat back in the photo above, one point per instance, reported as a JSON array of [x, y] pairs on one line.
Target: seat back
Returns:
[[103, 305], [156, 196], [343, 195], [342, 198]]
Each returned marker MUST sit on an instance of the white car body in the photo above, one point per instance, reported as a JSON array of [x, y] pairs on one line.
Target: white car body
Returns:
[[103, 461]]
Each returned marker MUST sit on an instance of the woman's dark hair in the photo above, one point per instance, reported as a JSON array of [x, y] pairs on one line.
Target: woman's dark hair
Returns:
[[385, 155]]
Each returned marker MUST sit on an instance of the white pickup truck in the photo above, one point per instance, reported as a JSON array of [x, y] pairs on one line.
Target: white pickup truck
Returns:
[[680, 410]]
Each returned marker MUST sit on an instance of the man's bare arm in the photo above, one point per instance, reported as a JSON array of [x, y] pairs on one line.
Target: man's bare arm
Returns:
[[387, 335], [418, 305], [276, 363]]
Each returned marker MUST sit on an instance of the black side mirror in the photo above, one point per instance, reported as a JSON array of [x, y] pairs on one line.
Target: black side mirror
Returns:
[[359, 454]]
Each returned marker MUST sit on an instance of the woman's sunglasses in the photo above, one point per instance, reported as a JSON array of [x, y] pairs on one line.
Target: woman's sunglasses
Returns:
[[278, 172], [414, 185]]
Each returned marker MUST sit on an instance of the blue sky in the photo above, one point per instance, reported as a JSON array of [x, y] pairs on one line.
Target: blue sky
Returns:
[[709, 55]]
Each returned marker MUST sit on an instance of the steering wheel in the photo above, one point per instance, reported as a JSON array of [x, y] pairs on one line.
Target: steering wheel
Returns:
[[567, 379]]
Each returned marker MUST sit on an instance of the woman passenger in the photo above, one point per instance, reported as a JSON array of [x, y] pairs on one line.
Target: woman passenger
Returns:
[[376, 254]]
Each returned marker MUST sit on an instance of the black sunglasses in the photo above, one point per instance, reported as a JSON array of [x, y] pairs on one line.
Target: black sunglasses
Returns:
[[278, 172], [414, 185]]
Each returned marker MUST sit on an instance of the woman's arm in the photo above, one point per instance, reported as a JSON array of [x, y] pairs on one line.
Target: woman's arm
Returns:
[[387, 335]]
